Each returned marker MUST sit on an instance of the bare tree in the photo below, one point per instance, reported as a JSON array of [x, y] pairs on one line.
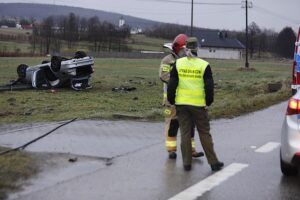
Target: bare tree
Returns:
[[34, 38], [47, 33], [83, 27], [54, 29], [262, 43], [254, 31], [62, 22], [93, 27], [286, 42], [72, 29]]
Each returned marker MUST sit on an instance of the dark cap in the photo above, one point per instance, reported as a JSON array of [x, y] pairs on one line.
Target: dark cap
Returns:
[[192, 43]]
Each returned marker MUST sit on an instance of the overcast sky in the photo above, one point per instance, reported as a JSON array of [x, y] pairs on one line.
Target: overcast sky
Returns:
[[271, 14]]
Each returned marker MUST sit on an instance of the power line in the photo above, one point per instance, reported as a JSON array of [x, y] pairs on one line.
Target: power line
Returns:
[[192, 6], [171, 13], [274, 14], [36, 139], [218, 12], [197, 3]]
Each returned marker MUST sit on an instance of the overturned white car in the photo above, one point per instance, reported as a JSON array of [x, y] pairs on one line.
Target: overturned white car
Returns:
[[59, 72]]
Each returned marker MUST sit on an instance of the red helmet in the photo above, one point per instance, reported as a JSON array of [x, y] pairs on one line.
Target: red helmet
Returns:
[[179, 42]]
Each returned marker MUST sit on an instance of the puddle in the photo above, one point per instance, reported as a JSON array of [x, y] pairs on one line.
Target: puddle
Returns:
[[56, 169]]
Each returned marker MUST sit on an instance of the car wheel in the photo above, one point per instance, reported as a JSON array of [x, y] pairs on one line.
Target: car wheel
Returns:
[[55, 63], [21, 70], [80, 54], [287, 169]]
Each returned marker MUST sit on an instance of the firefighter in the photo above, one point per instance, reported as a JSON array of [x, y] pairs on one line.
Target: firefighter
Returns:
[[171, 122], [191, 89]]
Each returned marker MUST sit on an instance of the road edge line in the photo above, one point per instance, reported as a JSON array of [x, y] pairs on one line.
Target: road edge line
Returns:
[[210, 182]]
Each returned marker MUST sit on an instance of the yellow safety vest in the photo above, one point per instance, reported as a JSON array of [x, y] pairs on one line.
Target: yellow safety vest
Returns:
[[190, 89]]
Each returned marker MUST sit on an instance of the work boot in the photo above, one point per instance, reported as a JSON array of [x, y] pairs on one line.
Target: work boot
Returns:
[[187, 167], [196, 154], [172, 155], [217, 166]]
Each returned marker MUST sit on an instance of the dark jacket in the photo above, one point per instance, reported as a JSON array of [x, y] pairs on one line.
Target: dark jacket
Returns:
[[208, 85]]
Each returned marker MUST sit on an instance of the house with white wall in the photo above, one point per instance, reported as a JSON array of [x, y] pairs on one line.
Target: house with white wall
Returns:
[[216, 44]]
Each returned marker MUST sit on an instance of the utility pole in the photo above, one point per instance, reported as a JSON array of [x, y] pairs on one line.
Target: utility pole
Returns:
[[247, 5], [247, 63], [192, 16]]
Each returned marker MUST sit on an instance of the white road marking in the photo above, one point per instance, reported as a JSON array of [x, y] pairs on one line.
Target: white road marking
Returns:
[[209, 183], [270, 146]]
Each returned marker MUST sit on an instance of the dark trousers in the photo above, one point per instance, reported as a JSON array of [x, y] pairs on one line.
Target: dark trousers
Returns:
[[171, 129], [187, 116]]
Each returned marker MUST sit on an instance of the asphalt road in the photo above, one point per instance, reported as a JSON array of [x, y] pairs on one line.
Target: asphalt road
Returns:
[[127, 160]]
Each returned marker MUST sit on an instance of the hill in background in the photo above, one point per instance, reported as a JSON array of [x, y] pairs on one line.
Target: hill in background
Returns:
[[41, 11]]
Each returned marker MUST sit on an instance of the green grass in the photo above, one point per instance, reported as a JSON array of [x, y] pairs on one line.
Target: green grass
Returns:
[[141, 42], [14, 31], [99, 102], [23, 47], [236, 92]]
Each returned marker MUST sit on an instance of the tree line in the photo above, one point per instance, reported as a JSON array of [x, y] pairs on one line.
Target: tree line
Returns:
[[12, 23], [55, 32], [7, 22], [49, 35], [265, 40], [260, 41]]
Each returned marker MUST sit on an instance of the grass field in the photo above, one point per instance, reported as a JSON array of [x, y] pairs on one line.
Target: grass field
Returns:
[[141, 42], [21, 47], [15, 31], [236, 91]]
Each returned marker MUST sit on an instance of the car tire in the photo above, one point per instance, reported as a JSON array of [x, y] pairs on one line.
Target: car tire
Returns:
[[55, 63], [287, 169], [80, 54], [21, 70]]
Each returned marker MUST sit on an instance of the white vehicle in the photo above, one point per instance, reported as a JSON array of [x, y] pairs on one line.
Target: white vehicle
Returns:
[[59, 72], [290, 133], [290, 138]]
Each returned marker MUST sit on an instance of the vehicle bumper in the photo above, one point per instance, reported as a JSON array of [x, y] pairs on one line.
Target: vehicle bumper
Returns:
[[290, 141]]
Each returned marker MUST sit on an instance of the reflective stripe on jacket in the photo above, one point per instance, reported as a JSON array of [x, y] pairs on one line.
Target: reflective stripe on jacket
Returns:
[[166, 66], [190, 89]]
